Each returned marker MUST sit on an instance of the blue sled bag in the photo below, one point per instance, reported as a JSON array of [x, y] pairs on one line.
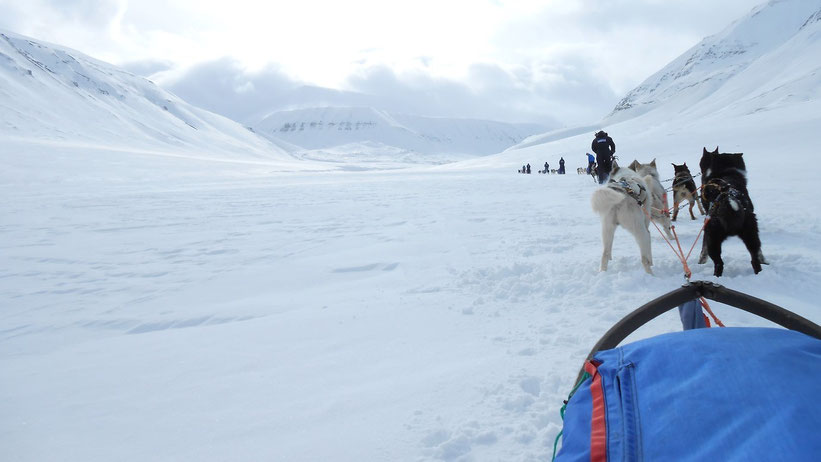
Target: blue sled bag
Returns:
[[720, 394]]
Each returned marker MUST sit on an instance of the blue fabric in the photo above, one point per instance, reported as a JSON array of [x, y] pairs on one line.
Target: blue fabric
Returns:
[[729, 394], [691, 315]]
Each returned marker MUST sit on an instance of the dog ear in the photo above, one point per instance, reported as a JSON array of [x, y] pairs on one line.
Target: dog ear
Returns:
[[685, 164], [653, 163], [705, 151]]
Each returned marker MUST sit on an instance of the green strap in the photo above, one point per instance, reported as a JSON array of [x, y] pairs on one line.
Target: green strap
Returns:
[[555, 444], [584, 377]]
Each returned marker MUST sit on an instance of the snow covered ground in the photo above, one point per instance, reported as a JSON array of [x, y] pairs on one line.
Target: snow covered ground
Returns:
[[167, 308]]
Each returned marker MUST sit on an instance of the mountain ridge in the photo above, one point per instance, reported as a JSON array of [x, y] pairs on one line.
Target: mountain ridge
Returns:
[[766, 35], [50, 92], [328, 127]]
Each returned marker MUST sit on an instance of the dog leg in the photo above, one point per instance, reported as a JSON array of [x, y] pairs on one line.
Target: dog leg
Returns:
[[700, 208], [608, 229], [668, 227], [638, 226], [702, 257], [751, 240], [713, 245], [643, 239], [692, 203], [676, 202]]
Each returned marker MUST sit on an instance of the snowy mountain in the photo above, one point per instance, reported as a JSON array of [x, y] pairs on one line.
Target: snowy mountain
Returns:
[[329, 127], [55, 94], [768, 58]]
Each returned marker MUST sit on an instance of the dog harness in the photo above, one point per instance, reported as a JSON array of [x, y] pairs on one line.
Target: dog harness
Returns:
[[625, 187], [734, 197]]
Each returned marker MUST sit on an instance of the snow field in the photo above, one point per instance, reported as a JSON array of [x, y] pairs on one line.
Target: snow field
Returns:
[[165, 308]]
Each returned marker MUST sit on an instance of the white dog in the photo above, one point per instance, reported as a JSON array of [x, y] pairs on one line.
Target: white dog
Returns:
[[624, 201], [659, 210]]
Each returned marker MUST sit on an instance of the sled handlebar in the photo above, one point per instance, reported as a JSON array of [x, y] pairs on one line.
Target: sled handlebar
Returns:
[[692, 291]]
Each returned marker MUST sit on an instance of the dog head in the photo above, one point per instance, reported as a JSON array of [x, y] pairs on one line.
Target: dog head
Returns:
[[729, 162], [706, 160], [618, 173], [645, 169], [614, 169], [681, 169]]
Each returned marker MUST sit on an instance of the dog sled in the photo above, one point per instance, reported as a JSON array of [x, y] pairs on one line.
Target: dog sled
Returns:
[[701, 394]]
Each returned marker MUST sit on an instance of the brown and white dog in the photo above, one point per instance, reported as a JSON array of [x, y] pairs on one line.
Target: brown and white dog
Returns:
[[684, 189]]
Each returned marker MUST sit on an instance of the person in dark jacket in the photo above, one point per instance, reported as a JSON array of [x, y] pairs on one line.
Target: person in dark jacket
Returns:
[[546, 167], [591, 160], [605, 149], [561, 166], [528, 169]]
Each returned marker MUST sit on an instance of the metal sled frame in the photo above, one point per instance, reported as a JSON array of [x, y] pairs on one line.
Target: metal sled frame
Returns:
[[709, 290]]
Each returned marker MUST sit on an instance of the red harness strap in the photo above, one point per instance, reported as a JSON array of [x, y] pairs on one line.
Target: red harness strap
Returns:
[[598, 429]]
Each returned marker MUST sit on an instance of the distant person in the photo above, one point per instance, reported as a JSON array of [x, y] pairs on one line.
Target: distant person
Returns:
[[546, 167], [605, 149], [561, 166], [522, 170], [528, 169], [591, 160]]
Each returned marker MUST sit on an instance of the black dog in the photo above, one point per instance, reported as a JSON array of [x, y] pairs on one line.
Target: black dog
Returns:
[[728, 204]]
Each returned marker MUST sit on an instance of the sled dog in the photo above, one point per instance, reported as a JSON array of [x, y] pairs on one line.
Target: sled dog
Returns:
[[684, 189], [624, 201], [729, 207], [659, 210]]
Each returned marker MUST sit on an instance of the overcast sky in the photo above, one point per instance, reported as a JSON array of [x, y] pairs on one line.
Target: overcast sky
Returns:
[[521, 60]]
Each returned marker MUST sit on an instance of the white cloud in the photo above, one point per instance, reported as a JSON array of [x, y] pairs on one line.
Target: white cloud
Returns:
[[519, 59]]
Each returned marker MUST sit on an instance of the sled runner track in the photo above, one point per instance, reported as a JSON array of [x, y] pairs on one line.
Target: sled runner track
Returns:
[[691, 291]]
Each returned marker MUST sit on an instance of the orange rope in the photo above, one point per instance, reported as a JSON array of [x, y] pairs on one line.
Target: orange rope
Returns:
[[661, 233], [687, 272], [706, 220], [683, 259], [707, 307]]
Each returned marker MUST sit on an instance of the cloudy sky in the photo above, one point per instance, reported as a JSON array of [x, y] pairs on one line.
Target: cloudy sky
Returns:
[[544, 61]]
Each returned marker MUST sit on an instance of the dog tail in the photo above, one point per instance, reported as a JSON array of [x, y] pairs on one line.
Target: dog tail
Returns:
[[604, 199]]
